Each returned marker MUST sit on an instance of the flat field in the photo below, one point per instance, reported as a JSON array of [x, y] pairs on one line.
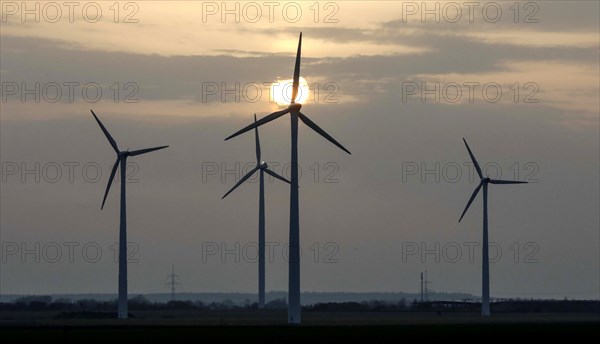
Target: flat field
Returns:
[[181, 325]]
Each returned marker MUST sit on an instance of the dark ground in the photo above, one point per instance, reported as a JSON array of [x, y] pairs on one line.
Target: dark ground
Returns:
[[183, 326]]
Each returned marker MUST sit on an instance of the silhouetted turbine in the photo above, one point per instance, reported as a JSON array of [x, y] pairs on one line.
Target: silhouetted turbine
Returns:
[[121, 159], [485, 293], [263, 168], [294, 310]]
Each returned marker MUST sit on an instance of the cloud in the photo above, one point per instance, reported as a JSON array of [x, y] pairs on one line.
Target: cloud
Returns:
[[203, 79]]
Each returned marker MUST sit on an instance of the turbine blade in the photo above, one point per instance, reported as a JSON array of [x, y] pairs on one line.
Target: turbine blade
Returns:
[[146, 150], [474, 160], [297, 70], [110, 180], [322, 132], [257, 142], [248, 175], [260, 122], [277, 176], [106, 133], [471, 200], [498, 181]]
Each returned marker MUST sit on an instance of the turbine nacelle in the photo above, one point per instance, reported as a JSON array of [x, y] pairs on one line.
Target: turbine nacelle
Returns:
[[262, 167], [486, 180], [295, 107]]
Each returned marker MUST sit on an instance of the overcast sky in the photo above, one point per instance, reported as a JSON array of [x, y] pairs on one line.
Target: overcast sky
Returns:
[[398, 90]]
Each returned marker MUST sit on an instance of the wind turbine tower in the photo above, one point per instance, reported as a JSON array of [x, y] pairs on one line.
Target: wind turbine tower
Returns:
[[122, 160], [485, 266], [294, 308], [263, 168]]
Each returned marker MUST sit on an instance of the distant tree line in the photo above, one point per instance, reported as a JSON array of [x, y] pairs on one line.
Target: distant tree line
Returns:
[[373, 305], [141, 303], [136, 303]]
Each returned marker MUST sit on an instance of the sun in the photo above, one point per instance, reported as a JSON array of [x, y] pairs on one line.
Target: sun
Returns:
[[281, 91]]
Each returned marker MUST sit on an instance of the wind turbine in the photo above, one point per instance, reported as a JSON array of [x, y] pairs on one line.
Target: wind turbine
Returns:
[[263, 168], [121, 159], [293, 109], [485, 293]]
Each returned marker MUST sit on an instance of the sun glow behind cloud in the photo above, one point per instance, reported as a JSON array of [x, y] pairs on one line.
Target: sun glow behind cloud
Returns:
[[281, 91]]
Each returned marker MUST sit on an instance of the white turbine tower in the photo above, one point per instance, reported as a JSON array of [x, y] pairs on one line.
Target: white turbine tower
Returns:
[[121, 159], [293, 109], [485, 293], [263, 168]]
